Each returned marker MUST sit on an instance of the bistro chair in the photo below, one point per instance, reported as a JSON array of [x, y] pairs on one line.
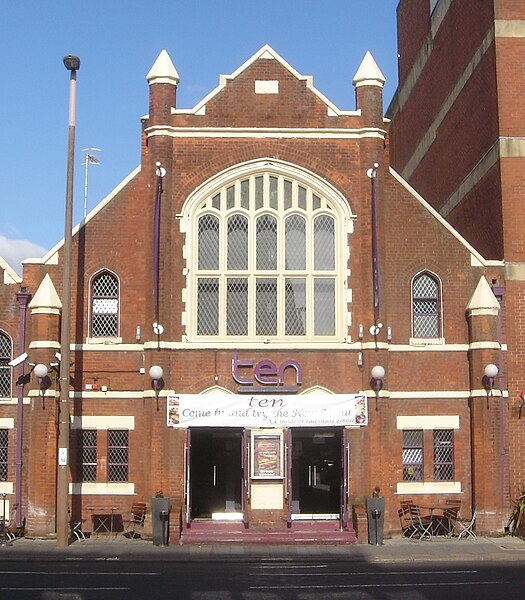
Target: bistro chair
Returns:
[[405, 518], [449, 520], [467, 526], [137, 518], [7, 526], [422, 526]]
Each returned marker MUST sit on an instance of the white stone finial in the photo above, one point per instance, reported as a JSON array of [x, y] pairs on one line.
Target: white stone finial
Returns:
[[483, 301], [369, 73], [46, 299], [163, 70]]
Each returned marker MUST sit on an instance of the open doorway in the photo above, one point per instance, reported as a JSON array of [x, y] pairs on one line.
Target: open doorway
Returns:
[[317, 472], [215, 473]]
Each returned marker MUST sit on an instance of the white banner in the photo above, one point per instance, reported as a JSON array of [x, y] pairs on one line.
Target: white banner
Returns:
[[229, 410]]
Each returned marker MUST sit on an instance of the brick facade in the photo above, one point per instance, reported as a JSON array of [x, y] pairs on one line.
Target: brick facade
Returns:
[[288, 130]]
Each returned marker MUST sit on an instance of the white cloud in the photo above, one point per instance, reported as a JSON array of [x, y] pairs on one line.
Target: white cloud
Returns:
[[15, 251]]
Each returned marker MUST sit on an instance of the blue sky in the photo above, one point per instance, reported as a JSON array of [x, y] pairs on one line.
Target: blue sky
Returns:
[[117, 42]]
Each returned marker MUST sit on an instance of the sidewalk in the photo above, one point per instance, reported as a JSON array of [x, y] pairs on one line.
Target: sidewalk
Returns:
[[396, 549]]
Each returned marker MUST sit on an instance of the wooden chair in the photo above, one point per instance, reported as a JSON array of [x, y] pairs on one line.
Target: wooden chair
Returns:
[[405, 518], [137, 518]]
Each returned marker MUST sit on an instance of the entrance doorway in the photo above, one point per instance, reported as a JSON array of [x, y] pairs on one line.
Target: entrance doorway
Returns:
[[317, 473], [215, 472]]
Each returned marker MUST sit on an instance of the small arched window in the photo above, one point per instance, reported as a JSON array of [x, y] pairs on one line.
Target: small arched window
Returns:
[[5, 370], [426, 307], [105, 305]]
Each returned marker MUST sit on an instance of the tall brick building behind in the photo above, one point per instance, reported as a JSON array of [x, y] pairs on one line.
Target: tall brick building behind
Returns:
[[458, 137], [320, 329]]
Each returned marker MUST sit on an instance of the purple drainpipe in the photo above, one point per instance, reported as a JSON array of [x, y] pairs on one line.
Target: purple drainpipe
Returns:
[[23, 298], [156, 241]]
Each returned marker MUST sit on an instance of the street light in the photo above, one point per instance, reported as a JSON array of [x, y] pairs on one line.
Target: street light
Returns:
[[156, 373], [72, 64], [491, 370], [377, 372]]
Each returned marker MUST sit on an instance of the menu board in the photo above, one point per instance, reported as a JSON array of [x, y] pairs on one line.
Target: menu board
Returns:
[[267, 456]]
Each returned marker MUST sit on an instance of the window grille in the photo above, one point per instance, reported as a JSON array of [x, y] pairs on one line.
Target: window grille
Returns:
[[4, 446], [87, 455], [425, 306], [5, 369], [266, 263], [443, 455], [118, 451], [105, 298], [413, 455]]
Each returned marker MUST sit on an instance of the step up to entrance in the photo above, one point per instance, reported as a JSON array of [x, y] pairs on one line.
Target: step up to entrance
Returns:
[[213, 532]]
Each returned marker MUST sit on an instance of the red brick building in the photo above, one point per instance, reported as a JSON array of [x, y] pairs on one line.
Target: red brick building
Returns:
[[457, 137], [266, 257]]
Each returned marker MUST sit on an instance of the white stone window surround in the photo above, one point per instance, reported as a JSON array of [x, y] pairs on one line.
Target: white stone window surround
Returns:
[[212, 198], [424, 341], [104, 423], [428, 423]]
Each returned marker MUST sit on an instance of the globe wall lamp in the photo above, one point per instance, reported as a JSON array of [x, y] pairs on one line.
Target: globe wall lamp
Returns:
[[40, 371], [377, 373], [491, 371], [156, 373]]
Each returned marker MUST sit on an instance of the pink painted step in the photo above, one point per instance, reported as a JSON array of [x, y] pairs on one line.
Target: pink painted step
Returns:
[[301, 532]]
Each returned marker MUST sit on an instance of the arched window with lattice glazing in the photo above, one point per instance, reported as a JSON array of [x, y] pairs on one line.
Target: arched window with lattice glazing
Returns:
[[426, 306], [267, 264], [104, 305], [6, 352]]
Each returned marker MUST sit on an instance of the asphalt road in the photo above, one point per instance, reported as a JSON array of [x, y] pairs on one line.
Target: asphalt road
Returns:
[[259, 580]]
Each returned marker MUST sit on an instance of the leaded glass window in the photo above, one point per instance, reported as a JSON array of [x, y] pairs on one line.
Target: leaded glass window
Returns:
[[118, 451], [267, 263], [5, 369], [105, 301], [443, 455], [425, 306], [87, 454], [4, 447], [412, 455]]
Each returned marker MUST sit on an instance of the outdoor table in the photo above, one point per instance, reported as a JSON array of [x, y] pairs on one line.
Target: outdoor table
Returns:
[[103, 520]]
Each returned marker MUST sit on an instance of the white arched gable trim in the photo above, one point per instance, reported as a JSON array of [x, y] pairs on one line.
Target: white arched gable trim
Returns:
[[267, 165], [317, 389], [216, 389]]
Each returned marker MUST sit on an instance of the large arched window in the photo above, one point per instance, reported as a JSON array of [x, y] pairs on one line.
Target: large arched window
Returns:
[[426, 306], [104, 305], [267, 262], [6, 350]]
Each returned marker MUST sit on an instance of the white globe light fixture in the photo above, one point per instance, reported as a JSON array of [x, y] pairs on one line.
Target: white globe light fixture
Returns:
[[156, 373]]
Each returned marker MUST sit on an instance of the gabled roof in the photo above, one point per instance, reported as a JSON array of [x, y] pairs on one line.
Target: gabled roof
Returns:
[[10, 275], [265, 53]]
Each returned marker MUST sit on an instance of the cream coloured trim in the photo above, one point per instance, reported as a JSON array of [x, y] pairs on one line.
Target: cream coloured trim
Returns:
[[430, 395], [11, 277], [112, 395], [440, 341], [90, 488], [428, 487], [270, 132], [44, 344], [509, 28], [6, 487], [7, 423], [103, 422], [484, 345], [428, 422], [266, 86], [515, 271], [45, 311], [108, 346], [107, 341]]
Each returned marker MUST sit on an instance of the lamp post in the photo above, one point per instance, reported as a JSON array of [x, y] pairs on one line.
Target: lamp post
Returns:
[[72, 64]]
